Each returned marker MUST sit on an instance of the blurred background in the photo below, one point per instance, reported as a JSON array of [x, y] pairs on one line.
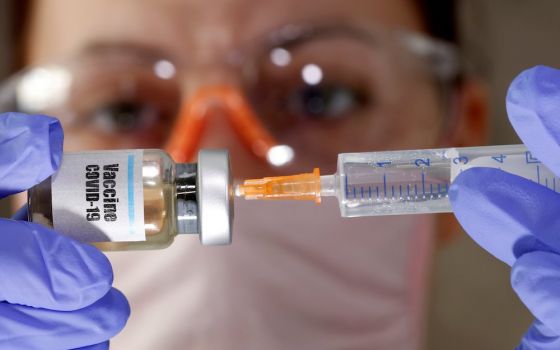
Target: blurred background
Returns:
[[472, 305]]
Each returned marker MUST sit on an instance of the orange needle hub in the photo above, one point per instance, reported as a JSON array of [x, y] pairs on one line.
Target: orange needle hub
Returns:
[[295, 187]]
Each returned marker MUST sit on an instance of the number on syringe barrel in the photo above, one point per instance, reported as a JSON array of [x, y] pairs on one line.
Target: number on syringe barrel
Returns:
[[460, 160], [433, 182]]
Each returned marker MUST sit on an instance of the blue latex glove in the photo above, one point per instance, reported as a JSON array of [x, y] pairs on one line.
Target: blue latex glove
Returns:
[[55, 293], [515, 219]]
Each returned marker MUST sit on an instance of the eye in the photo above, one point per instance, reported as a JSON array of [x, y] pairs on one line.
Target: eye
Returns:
[[326, 101], [125, 117]]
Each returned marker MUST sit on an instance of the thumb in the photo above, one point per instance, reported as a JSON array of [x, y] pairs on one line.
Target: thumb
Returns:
[[535, 277], [30, 150], [539, 337]]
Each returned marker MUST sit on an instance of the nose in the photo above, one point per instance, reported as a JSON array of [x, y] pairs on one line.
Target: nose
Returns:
[[200, 109]]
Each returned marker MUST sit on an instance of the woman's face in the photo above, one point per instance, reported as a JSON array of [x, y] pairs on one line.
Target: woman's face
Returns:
[[135, 62]]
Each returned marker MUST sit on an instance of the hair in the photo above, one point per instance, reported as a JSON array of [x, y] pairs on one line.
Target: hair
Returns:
[[19, 21], [440, 18]]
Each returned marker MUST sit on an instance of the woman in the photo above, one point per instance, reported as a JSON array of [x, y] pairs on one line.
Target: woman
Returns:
[[323, 77]]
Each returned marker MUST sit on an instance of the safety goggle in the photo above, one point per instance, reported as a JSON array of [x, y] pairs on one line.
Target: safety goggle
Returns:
[[314, 90]]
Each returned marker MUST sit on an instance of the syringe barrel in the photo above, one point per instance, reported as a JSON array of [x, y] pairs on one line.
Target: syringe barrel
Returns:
[[418, 181]]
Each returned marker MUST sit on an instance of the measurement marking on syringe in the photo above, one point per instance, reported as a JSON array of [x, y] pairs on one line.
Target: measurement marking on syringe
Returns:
[[400, 191], [362, 191], [385, 185], [538, 175], [423, 184], [369, 188], [529, 159]]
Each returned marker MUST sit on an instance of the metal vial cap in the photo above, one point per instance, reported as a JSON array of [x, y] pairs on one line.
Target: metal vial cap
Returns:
[[215, 197]]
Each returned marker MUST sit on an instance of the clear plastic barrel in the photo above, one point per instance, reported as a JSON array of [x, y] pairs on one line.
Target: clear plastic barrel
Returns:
[[418, 181]]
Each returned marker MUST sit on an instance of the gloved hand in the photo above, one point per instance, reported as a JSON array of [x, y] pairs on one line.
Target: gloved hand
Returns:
[[518, 220], [55, 293]]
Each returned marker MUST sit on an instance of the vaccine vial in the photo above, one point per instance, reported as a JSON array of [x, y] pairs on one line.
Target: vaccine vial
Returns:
[[136, 199]]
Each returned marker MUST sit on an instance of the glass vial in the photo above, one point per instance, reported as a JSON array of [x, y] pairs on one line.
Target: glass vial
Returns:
[[136, 199]]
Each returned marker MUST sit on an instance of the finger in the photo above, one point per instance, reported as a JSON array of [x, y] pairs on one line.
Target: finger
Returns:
[[506, 214], [21, 214], [535, 277], [41, 268], [24, 327], [539, 337], [533, 106], [100, 346], [30, 150]]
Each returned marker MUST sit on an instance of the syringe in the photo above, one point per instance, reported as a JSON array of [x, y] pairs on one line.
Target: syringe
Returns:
[[398, 182]]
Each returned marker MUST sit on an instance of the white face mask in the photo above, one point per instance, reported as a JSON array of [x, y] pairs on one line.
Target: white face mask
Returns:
[[296, 277]]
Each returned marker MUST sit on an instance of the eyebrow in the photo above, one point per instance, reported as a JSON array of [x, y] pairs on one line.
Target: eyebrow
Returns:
[[125, 47], [301, 33]]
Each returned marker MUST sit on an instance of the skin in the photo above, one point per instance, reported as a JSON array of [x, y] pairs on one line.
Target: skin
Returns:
[[184, 27], [193, 32], [198, 36], [202, 35]]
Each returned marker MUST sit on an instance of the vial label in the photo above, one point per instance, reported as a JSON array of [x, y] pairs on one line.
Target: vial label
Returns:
[[98, 196]]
